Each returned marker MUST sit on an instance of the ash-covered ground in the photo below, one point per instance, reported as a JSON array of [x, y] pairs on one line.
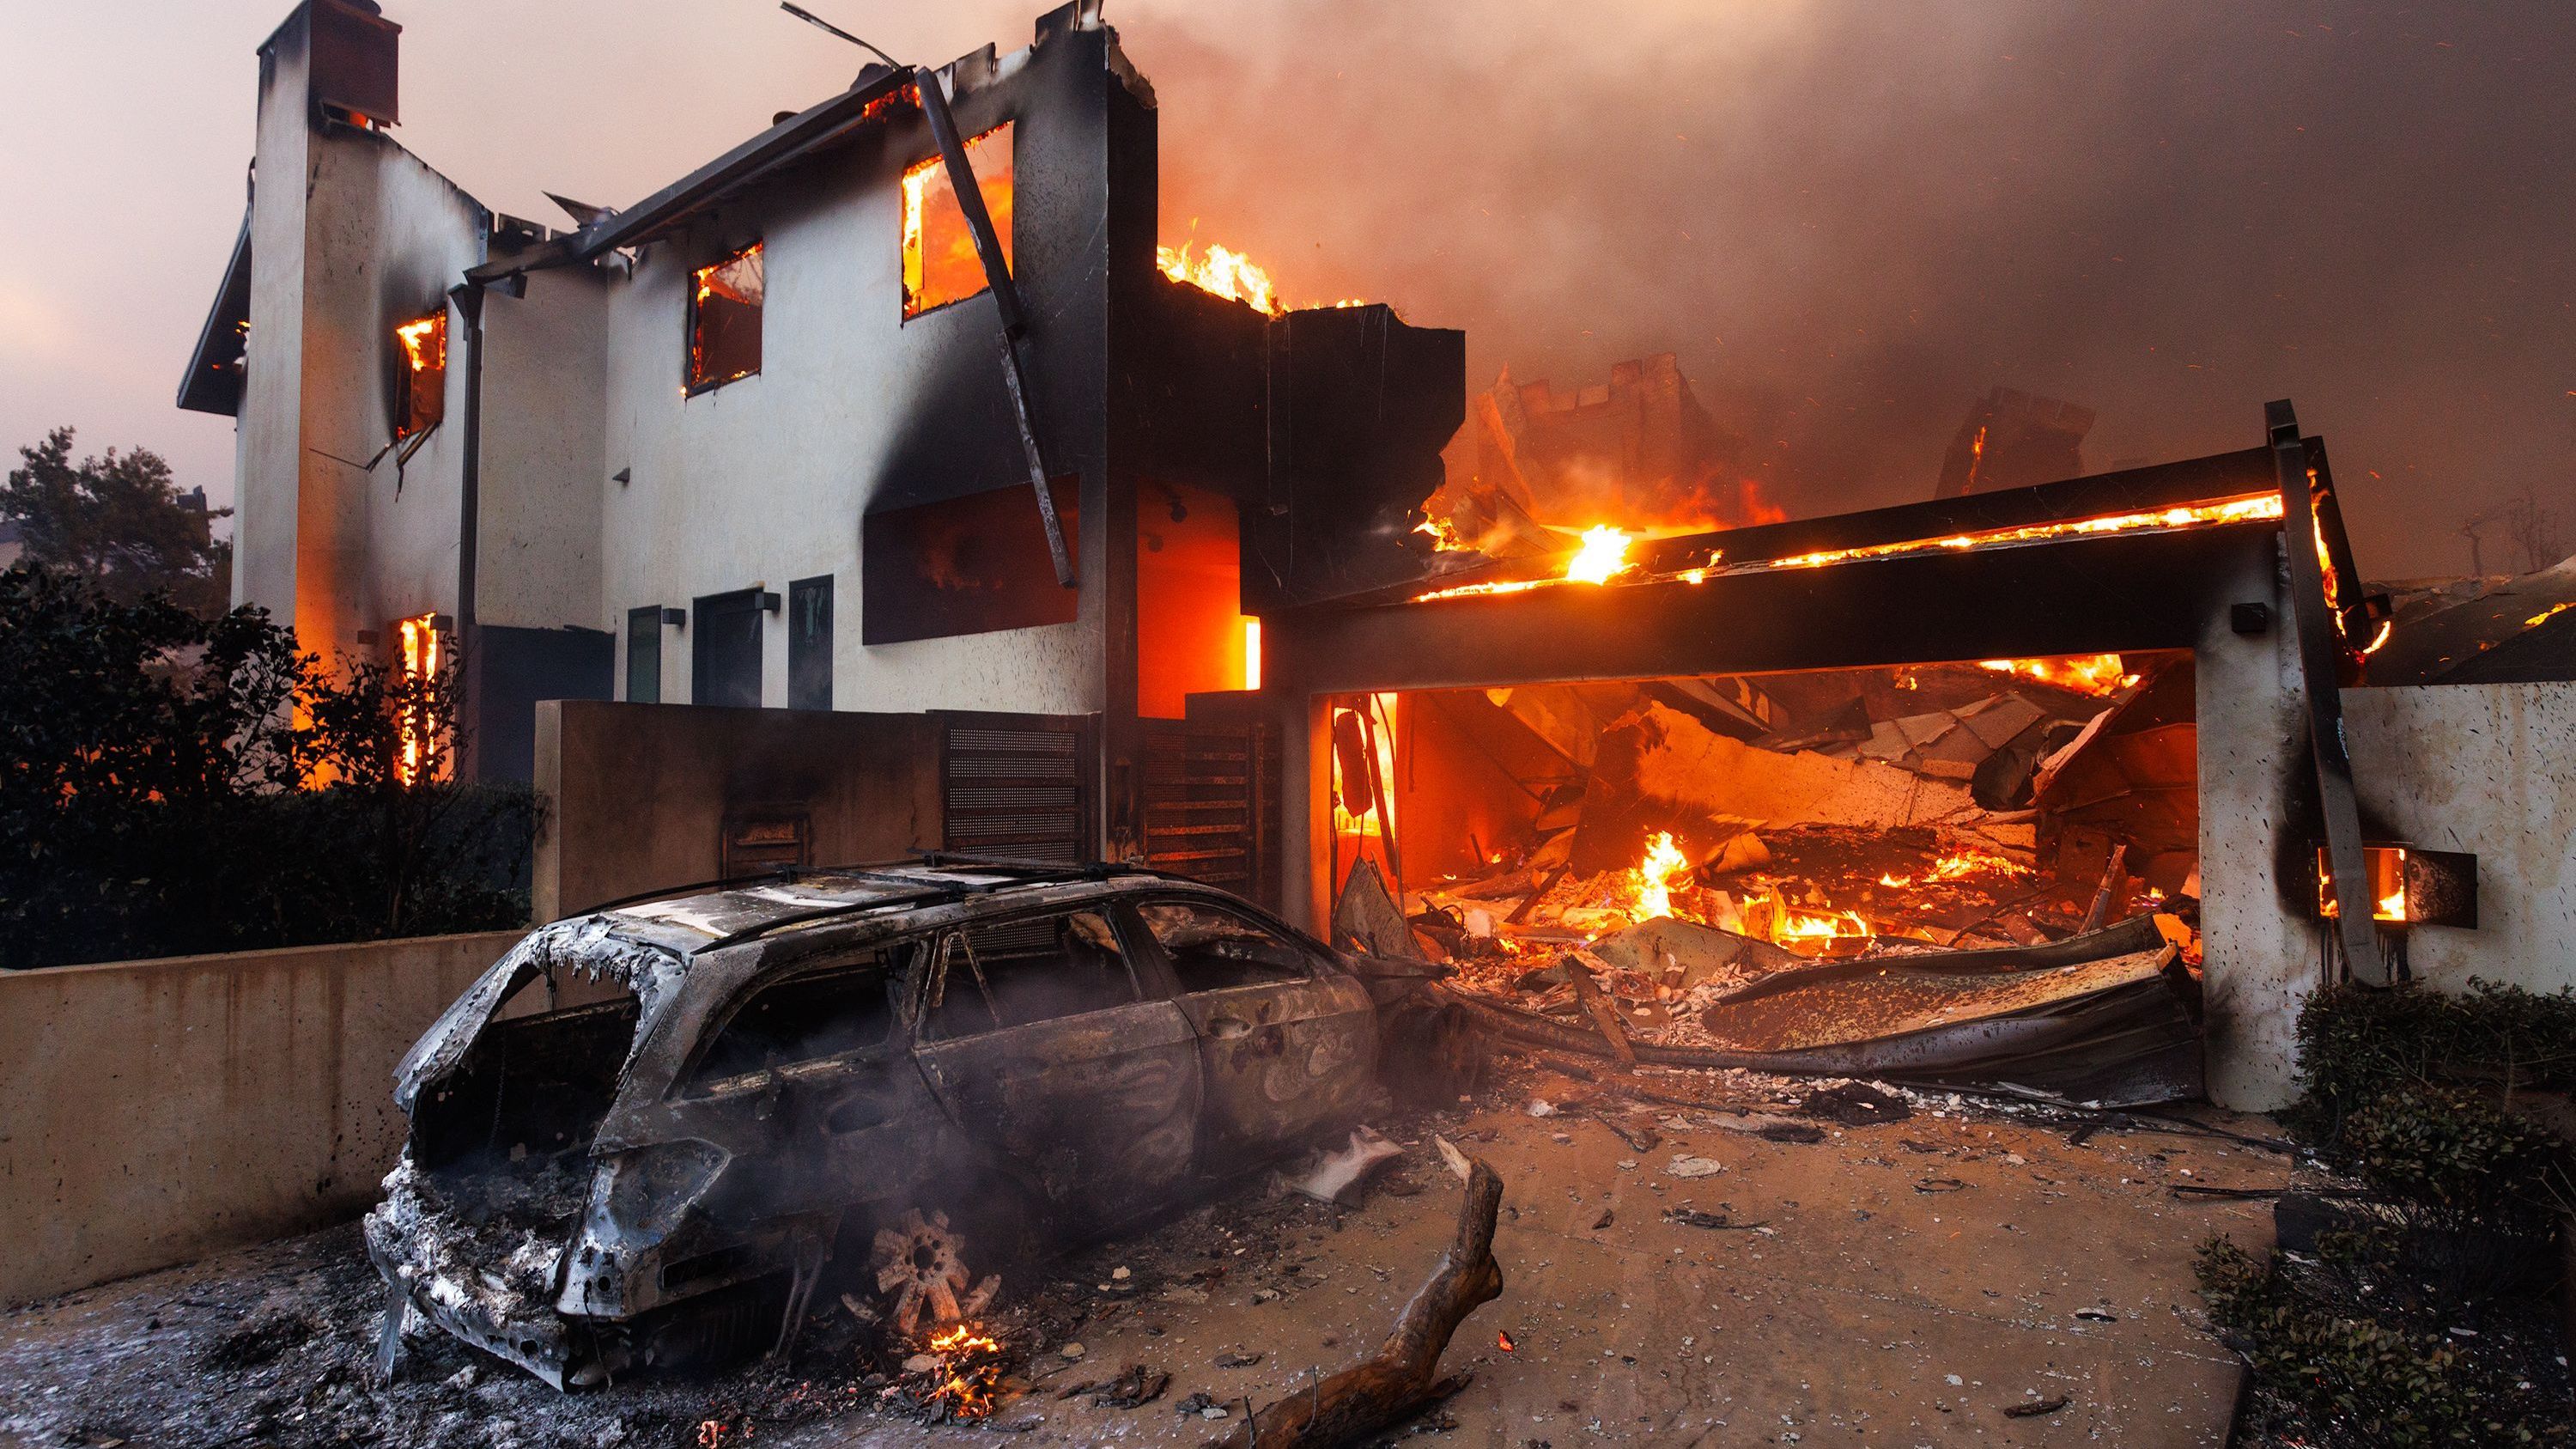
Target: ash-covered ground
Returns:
[[1745, 1272]]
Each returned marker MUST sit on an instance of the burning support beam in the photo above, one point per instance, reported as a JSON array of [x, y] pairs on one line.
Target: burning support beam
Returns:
[[2319, 668]]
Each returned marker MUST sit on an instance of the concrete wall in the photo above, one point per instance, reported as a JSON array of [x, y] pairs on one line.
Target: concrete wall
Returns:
[[637, 794], [2490, 769], [2257, 792], [157, 1111]]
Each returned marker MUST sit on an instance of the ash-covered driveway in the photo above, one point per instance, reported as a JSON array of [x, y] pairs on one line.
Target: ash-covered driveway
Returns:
[[1907, 1283]]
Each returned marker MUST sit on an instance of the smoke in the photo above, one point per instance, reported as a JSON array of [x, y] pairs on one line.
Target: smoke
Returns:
[[1850, 220]]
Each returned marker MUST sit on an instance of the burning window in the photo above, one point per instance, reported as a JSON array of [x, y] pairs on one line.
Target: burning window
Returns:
[[940, 264], [2385, 868], [416, 694], [724, 320], [422, 399]]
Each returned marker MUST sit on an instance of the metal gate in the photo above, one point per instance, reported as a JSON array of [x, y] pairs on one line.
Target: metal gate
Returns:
[[1209, 802], [1017, 785]]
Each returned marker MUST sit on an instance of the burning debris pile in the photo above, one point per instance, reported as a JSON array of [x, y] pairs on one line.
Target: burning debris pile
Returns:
[[1639, 858]]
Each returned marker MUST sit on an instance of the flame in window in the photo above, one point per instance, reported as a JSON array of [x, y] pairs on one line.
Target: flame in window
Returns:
[[423, 400], [940, 263], [1251, 653], [419, 666], [724, 319]]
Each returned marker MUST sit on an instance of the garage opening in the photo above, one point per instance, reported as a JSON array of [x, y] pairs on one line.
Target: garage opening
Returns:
[[1678, 850]]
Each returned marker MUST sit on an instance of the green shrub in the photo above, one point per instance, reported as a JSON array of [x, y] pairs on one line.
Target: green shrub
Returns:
[[2357, 1044], [2353, 1380], [2454, 1153]]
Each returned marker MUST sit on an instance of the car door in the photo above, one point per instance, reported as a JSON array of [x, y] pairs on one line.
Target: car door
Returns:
[[806, 1076], [1039, 1038], [1287, 1040]]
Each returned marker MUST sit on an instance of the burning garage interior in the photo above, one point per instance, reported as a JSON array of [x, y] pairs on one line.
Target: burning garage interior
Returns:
[[1072, 781]]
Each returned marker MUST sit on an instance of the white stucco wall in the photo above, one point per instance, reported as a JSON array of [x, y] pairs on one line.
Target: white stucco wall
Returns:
[[2490, 769], [268, 453], [385, 238], [540, 486], [766, 479]]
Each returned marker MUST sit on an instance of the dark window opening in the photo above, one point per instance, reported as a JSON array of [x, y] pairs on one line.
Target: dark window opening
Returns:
[[1038, 968], [1212, 948], [644, 655], [940, 263], [421, 401], [967, 565], [827, 1013], [809, 643], [724, 650], [724, 320]]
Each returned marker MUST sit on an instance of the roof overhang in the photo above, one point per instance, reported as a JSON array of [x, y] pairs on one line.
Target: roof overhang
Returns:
[[213, 383]]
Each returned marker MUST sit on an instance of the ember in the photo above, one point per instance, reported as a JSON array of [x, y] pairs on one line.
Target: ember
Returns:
[[1504, 1342]]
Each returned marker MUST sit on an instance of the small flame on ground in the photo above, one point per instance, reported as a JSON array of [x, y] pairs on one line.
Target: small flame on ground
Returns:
[[1504, 1342], [966, 1376], [1655, 873], [2535, 621]]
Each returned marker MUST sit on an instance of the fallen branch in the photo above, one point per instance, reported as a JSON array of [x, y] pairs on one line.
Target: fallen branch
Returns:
[[1383, 1391]]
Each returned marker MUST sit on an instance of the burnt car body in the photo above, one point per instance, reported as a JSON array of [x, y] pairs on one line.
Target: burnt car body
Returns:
[[764, 1070]]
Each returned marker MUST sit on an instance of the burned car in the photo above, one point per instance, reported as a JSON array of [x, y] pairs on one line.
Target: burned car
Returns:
[[642, 1135]]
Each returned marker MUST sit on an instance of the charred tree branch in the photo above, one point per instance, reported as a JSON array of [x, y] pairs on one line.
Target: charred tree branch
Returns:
[[1384, 1390]]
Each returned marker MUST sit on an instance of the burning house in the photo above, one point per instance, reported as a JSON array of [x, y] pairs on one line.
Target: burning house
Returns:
[[899, 410]]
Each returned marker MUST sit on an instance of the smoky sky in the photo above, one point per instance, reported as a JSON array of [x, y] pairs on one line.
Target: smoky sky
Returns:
[[1848, 219]]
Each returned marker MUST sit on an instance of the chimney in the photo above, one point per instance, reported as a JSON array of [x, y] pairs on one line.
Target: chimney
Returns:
[[353, 54]]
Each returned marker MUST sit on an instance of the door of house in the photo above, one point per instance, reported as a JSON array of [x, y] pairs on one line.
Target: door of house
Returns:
[[724, 649]]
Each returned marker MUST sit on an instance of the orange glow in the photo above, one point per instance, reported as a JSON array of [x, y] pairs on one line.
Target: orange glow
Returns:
[[2083, 673], [1251, 653], [940, 263], [423, 401], [1504, 1342], [724, 319], [2386, 628], [419, 666], [1655, 873], [2230, 510], [2249, 508], [1959, 865], [2545, 615], [1345, 823], [2384, 866], [1443, 535], [1604, 555]]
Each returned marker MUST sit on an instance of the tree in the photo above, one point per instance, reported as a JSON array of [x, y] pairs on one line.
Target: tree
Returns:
[[171, 784], [119, 523]]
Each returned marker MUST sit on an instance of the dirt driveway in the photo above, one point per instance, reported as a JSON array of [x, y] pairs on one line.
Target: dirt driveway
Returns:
[[1899, 1283]]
